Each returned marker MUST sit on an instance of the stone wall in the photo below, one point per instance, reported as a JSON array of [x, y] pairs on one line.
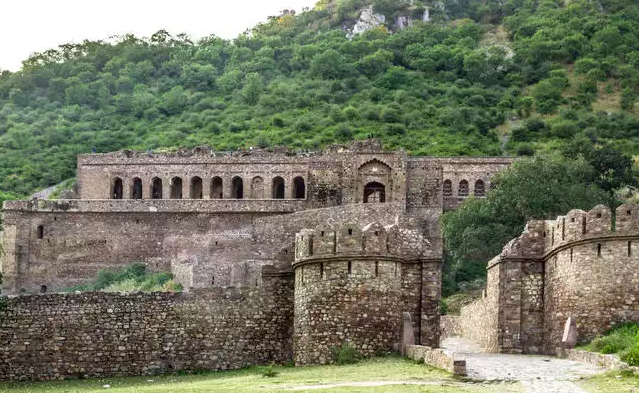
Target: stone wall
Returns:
[[479, 320], [438, 358], [55, 336], [582, 265]]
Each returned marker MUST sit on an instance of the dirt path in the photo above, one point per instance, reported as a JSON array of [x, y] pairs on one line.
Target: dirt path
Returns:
[[538, 374]]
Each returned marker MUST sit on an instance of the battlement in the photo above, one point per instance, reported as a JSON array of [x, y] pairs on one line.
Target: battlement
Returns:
[[352, 239], [541, 238]]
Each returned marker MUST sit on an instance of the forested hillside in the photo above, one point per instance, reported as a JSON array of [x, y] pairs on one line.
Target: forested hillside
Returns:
[[479, 78]]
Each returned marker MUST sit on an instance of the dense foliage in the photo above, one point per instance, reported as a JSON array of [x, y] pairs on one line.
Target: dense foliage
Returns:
[[438, 88], [131, 278], [542, 187]]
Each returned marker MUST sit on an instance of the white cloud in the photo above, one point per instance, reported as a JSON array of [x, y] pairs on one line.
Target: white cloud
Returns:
[[30, 26]]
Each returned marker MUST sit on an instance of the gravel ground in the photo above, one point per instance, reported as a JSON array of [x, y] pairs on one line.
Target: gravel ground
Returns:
[[538, 374]]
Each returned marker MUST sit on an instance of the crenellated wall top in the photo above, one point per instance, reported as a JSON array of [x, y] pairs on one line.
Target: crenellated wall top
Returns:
[[354, 240], [543, 237]]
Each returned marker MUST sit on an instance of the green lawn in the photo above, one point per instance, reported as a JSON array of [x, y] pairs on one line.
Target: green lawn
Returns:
[[352, 378]]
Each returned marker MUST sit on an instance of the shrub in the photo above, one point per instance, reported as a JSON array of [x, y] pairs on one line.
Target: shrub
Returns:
[[269, 371], [346, 354], [618, 340], [631, 356]]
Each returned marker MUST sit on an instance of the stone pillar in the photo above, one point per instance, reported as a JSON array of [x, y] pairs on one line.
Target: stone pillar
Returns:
[[509, 319], [431, 295], [166, 188]]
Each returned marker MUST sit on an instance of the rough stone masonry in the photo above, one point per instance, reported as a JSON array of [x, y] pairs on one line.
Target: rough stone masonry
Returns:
[[229, 225]]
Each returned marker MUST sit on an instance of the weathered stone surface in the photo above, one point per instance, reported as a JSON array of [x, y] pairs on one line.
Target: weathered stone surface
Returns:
[[56, 336], [575, 267], [439, 358]]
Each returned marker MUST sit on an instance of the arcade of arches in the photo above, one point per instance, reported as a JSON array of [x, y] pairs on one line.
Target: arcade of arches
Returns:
[[196, 188]]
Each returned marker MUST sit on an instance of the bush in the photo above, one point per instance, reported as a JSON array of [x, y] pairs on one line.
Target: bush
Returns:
[[269, 371], [622, 340], [631, 356], [346, 354]]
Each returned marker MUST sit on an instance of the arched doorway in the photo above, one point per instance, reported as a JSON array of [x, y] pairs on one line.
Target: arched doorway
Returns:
[[217, 188], [136, 189], [299, 188], [278, 188], [156, 188], [117, 189], [196, 188], [176, 188], [237, 188], [374, 192], [257, 188]]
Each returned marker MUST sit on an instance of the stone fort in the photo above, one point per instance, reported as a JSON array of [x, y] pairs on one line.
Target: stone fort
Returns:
[[283, 257]]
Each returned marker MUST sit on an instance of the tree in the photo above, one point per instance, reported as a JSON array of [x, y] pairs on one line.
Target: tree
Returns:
[[542, 187], [252, 88]]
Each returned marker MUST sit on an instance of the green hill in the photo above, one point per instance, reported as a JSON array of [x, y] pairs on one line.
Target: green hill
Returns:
[[479, 78]]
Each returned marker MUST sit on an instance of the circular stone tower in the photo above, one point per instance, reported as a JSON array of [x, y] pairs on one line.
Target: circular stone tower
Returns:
[[352, 284]]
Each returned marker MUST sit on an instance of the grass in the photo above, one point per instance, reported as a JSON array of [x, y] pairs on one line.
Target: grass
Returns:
[[614, 382], [287, 378], [622, 340]]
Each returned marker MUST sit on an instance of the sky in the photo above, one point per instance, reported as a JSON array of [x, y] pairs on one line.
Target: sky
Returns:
[[30, 26]]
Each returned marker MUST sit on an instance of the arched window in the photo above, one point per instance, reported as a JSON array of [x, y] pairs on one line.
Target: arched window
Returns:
[[217, 189], [136, 189], [257, 188], [299, 188], [43, 288], [448, 188], [463, 189], [278, 188], [196, 188], [480, 190], [156, 188], [176, 188], [237, 188], [117, 189], [374, 192]]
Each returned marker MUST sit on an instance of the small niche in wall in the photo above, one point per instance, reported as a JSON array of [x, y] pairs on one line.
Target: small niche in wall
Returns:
[[599, 249], [350, 268], [322, 270], [212, 280], [598, 215], [43, 288], [571, 255], [350, 231], [376, 268], [629, 248], [40, 232]]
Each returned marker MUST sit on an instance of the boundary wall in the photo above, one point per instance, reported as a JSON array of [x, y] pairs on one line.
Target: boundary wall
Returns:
[[60, 336], [583, 265]]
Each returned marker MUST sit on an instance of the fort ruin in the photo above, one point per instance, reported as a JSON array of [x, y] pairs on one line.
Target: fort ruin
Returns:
[[283, 257]]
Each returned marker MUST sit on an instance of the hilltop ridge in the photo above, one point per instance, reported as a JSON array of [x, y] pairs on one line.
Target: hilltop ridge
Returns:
[[436, 78]]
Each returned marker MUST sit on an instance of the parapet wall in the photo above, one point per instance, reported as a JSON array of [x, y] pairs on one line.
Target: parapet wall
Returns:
[[56, 336], [583, 265]]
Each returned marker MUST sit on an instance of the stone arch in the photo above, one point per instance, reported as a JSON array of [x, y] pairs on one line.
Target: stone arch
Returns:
[[278, 188], [117, 189], [136, 188], [462, 192], [374, 173], [257, 188], [196, 191], [299, 188], [374, 192], [480, 189], [237, 188], [447, 188], [217, 188], [156, 188], [176, 188]]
